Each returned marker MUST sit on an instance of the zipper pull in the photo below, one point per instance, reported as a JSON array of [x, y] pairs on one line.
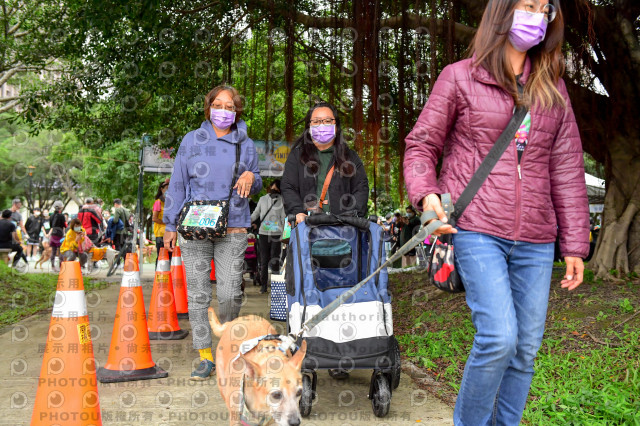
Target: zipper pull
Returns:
[[519, 173]]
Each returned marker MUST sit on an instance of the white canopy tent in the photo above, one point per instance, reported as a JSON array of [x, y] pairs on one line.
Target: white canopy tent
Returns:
[[595, 192]]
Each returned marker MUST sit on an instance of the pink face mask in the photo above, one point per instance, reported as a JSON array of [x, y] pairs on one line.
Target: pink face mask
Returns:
[[221, 118], [527, 30]]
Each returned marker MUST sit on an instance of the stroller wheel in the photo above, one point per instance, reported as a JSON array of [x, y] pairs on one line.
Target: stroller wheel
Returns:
[[396, 367], [306, 400], [381, 397]]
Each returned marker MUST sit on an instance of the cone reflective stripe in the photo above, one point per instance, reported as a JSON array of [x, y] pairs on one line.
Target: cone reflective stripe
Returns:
[[163, 318], [179, 281], [67, 389], [130, 350], [69, 304]]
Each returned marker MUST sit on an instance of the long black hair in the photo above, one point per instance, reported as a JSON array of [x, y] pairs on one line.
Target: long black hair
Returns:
[[159, 194], [309, 155]]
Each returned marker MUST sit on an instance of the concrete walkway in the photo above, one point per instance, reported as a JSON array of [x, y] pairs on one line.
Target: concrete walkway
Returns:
[[176, 400]]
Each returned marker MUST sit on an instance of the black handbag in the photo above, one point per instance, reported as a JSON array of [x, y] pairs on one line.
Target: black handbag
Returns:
[[207, 219], [441, 265]]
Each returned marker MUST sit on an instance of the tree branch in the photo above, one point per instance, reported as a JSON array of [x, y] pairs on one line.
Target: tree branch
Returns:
[[197, 9], [9, 106], [463, 33], [8, 74], [14, 28]]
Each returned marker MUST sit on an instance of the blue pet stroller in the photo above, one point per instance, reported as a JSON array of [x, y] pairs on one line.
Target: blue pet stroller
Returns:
[[327, 256]]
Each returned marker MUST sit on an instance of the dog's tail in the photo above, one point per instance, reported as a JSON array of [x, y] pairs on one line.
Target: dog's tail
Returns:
[[216, 327]]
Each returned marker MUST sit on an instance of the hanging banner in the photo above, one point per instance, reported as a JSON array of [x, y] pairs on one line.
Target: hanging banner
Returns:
[[271, 161], [157, 160]]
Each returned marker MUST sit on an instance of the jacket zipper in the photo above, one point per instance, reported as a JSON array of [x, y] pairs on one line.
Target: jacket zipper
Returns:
[[518, 181]]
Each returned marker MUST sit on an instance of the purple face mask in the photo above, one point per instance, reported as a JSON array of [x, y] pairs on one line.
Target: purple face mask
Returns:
[[323, 133], [221, 118], [527, 30]]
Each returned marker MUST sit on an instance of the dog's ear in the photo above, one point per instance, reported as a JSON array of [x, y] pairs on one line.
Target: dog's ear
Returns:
[[296, 359], [246, 366]]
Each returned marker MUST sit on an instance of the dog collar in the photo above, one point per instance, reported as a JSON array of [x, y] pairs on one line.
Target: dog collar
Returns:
[[286, 343], [246, 416]]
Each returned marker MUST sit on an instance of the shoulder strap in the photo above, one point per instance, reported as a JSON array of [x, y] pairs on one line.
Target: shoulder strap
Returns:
[[234, 177], [327, 181], [488, 163], [273, 203]]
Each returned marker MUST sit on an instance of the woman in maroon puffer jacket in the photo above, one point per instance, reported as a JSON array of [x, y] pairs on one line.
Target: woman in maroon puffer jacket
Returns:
[[504, 241]]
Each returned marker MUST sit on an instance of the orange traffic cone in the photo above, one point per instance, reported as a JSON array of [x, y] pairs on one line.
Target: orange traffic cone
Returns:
[[178, 277], [67, 388], [130, 351], [163, 318]]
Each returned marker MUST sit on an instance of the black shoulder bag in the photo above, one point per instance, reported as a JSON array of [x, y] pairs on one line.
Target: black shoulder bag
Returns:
[[441, 266], [207, 219]]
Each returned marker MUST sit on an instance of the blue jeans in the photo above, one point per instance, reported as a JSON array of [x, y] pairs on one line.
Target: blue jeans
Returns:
[[507, 289]]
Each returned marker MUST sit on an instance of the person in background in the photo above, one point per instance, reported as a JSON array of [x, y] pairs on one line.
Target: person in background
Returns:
[[112, 228], [387, 237], [90, 215], [410, 227], [71, 248], [209, 175], [269, 213], [504, 239], [158, 212], [396, 229], [9, 237], [34, 227], [120, 213], [106, 215], [58, 225]]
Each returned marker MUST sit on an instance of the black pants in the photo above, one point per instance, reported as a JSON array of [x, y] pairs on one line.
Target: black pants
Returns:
[[159, 245], [269, 252], [19, 252], [119, 241]]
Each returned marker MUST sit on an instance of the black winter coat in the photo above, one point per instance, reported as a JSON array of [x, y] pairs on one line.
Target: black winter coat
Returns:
[[346, 194]]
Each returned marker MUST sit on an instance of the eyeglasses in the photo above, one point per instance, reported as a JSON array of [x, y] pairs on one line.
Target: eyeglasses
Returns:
[[326, 121], [228, 107], [533, 6]]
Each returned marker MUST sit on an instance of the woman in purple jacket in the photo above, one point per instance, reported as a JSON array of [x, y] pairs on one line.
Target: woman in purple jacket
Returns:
[[504, 241], [203, 170]]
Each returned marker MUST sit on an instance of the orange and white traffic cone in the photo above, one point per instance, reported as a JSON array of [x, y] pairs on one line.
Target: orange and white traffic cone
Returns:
[[130, 351], [67, 389], [179, 279], [163, 318]]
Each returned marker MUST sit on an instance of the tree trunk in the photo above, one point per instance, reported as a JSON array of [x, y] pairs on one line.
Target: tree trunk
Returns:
[[618, 245], [267, 89], [402, 112], [289, 74], [358, 76], [253, 75]]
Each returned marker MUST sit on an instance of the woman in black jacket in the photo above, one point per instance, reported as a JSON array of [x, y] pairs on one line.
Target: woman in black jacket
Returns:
[[320, 149], [318, 153]]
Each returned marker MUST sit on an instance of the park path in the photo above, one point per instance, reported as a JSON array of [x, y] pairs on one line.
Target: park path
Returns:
[[176, 400]]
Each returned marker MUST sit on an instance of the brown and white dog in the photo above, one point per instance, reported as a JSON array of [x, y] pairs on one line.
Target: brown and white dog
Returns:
[[261, 385]]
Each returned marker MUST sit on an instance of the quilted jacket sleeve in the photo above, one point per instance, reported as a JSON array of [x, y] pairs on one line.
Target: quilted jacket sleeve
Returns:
[[424, 144], [568, 187]]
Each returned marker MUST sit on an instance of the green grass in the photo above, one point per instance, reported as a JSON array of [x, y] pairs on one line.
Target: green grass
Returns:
[[587, 370], [589, 385], [22, 295]]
